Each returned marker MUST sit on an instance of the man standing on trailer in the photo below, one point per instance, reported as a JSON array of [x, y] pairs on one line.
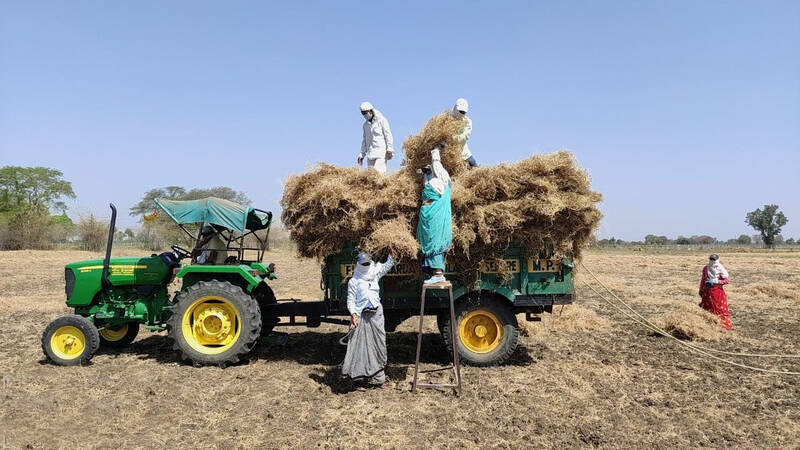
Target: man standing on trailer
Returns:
[[460, 112], [377, 144]]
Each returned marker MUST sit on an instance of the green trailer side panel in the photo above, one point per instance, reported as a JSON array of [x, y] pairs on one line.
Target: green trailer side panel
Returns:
[[528, 276]]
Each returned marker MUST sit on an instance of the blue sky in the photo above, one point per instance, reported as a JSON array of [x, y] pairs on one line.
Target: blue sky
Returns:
[[686, 114]]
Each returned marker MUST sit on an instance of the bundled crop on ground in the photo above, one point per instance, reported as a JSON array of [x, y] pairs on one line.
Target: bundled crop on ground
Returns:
[[544, 203], [691, 323]]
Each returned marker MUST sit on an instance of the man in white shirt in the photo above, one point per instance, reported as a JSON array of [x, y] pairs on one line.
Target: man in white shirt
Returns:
[[377, 144], [366, 351], [460, 112]]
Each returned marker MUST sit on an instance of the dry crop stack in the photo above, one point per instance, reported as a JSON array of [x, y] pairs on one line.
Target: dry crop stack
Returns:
[[543, 202]]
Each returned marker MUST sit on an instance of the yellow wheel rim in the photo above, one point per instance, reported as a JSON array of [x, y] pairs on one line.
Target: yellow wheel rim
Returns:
[[114, 334], [68, 342], [211, 325], [480, 331]]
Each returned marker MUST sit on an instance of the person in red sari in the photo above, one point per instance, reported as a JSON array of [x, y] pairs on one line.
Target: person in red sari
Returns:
[[712, 295]]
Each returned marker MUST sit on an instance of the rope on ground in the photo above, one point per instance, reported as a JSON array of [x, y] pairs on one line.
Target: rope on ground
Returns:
[[722, 352], [641, 320]]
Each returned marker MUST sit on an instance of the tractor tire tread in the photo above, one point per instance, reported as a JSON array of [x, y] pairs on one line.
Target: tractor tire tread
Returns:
[[130, 336], [248, 338], [510, 332], [89, 331]]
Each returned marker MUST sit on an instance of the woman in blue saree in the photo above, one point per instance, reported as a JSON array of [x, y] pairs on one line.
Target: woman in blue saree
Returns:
[[435, 227]]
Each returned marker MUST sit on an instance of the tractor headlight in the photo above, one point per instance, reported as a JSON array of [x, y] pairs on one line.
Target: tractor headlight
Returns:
[[69, 277]]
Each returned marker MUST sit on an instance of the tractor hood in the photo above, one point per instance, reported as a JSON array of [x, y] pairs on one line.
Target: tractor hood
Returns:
[[128, 271]]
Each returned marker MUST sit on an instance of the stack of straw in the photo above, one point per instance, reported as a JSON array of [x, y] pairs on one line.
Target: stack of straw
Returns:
[[543, 203]]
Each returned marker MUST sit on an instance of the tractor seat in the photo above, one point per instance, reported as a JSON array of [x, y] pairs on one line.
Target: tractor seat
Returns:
[[170, 260]]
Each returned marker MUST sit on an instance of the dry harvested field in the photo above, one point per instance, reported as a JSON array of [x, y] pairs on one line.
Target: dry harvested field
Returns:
[[583, 377]]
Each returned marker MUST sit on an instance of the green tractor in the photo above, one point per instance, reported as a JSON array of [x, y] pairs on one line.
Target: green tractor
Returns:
[[214, 319]]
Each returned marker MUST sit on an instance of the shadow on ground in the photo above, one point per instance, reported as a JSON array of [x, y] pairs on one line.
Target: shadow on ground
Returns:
[[315, 348]]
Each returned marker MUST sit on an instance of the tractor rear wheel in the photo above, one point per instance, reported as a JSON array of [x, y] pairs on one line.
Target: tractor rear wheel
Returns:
[[70, 341], [119, 336], [214, 323], [487, 333]]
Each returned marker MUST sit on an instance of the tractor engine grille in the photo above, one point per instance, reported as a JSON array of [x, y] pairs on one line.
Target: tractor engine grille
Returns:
[[69, 277]]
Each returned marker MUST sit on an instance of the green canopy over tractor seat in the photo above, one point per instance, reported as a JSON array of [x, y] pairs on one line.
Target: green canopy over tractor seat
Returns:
[[216, 211]]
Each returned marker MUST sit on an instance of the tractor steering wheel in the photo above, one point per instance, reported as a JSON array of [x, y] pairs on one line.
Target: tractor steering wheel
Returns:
[[181, 252]]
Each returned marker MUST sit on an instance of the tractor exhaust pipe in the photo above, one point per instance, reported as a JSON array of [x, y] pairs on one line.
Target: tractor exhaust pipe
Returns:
[[107, 260]]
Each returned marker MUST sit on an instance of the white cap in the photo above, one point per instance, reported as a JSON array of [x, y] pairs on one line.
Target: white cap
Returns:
[[364, 257], [367, 106], [462, 105]]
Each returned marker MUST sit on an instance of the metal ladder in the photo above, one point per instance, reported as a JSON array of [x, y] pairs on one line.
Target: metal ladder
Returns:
[[456, 363]]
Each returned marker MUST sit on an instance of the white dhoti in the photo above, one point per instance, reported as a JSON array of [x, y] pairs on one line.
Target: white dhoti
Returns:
[[366, 350], [378, 164]]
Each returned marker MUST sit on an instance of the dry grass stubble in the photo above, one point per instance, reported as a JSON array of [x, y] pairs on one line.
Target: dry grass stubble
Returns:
[[582, 379]]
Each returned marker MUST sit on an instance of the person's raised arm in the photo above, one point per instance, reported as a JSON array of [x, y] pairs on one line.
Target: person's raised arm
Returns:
[[384, 268], [466, 132], [437, 168]]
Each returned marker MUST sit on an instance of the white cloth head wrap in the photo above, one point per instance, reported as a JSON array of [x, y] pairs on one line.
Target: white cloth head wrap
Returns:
[[716, 270]]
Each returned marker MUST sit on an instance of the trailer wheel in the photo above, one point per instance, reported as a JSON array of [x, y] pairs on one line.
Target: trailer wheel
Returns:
[[70, 341], [487, 333], [119, 336], [214, 323]]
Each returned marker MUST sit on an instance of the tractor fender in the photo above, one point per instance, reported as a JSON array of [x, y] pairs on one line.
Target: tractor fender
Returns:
[[240, 275]]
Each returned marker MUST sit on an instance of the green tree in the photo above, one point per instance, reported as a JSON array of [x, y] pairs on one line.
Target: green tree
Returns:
[[158, 232], [768, 222], [652, 239], [703, 240], [26, 228], [744, 239], [147, 204], [683, 240], [28, 195], [33, 188], [59, 228]]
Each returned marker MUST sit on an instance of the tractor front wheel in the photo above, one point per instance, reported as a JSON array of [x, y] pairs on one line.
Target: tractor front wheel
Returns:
[[486, 333], [119, 336], [214, 323], [70, 341]]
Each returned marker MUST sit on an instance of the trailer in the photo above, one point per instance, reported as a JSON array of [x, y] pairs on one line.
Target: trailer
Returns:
[[486, 311]]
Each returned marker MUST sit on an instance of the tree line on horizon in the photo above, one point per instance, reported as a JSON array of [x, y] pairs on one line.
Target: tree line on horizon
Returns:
[[33, 216], [768, 222], [33, 213], [742, 240]]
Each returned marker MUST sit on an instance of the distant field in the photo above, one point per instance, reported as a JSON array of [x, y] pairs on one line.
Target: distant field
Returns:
[[584, 376]]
